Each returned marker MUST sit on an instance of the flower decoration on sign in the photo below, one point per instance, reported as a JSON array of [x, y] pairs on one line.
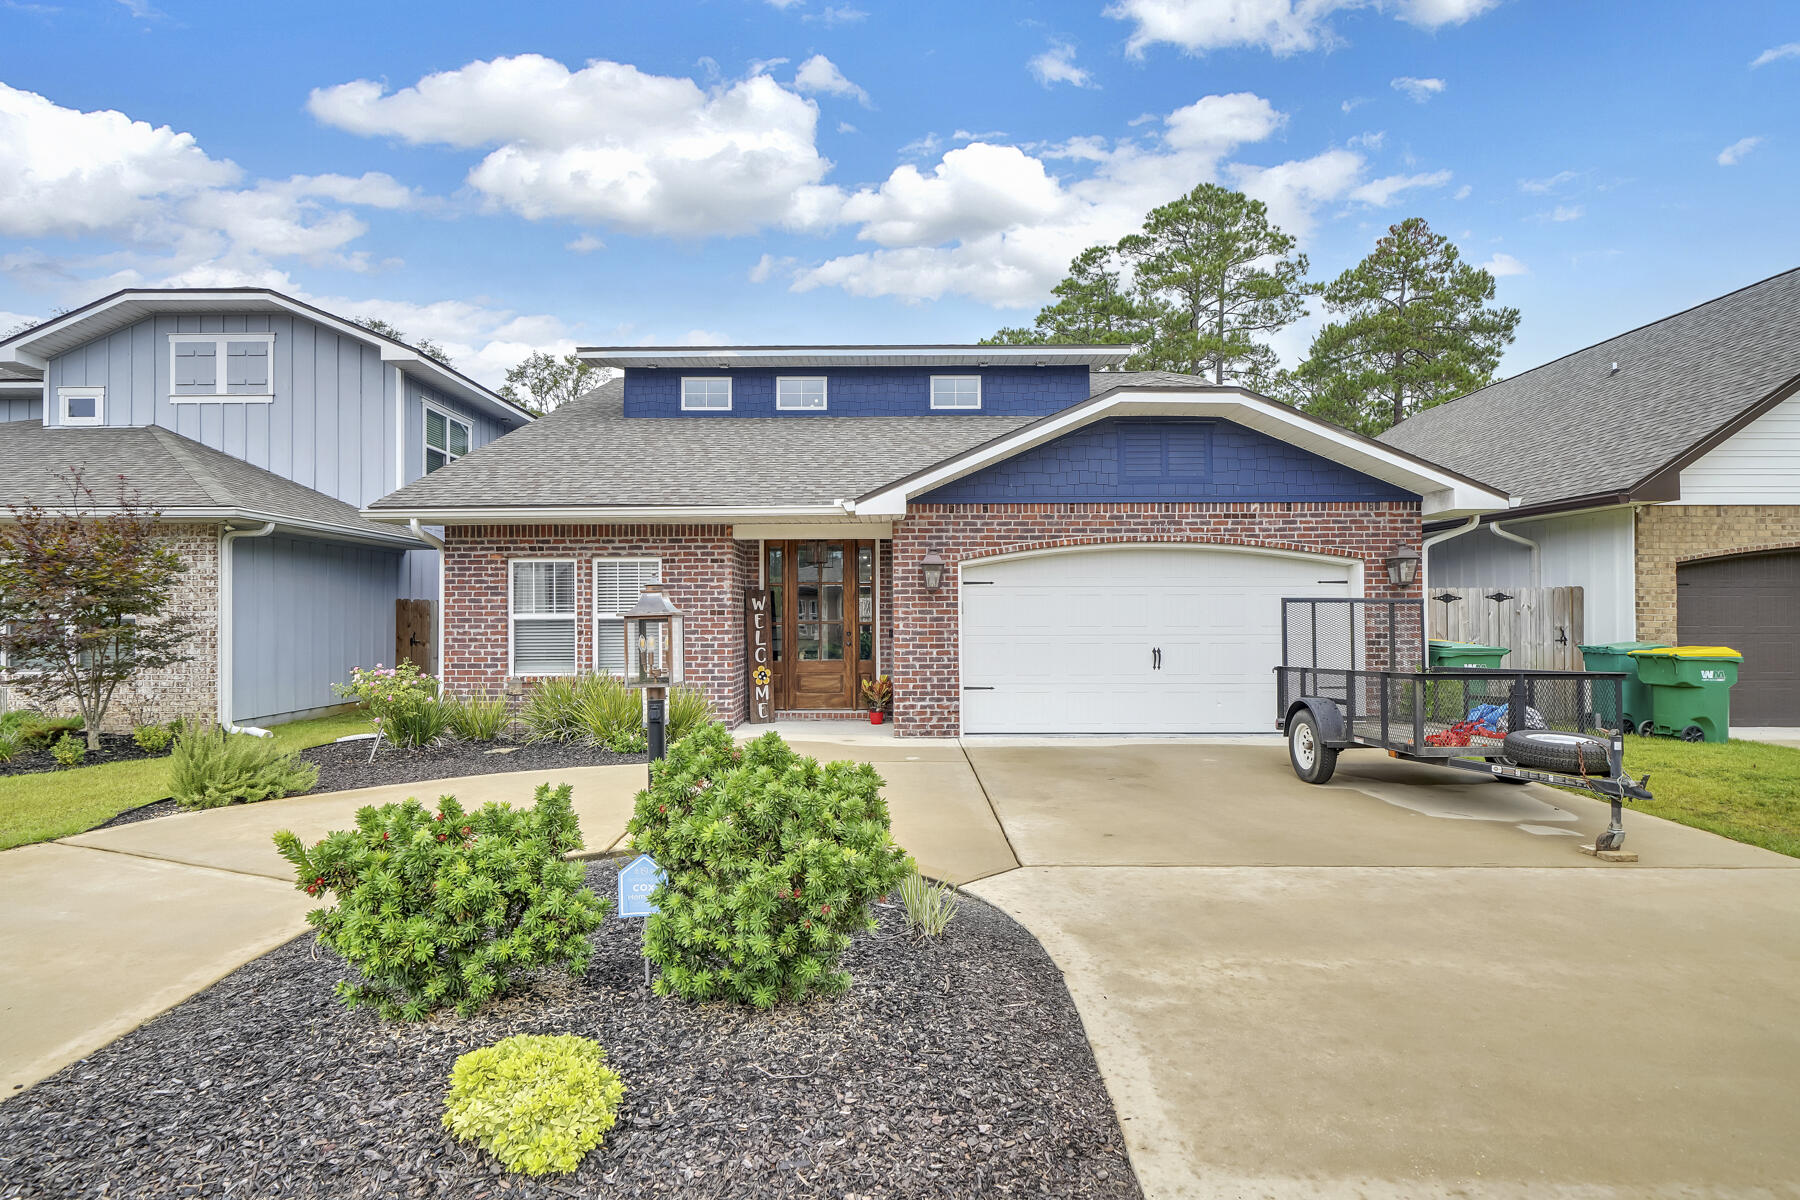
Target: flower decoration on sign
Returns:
[[762, 676]]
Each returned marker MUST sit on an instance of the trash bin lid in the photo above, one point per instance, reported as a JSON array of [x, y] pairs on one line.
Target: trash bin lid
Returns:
[[1622, 647], [1467, 647], [1724, 652]]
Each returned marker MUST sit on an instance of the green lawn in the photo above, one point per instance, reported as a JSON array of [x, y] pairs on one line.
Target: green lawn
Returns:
[[1747, 791], [53, 804]]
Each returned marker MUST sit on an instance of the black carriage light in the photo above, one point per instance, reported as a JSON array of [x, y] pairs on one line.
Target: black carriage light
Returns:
[[653, 658], [931, 568], [1402, 567]]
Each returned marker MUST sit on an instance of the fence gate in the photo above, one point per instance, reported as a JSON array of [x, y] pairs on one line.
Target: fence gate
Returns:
[[412, 632], [1542, 626]]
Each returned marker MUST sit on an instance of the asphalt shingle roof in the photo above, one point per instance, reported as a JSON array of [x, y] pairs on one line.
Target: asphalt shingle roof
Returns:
[[1573, 427], [168, 471]]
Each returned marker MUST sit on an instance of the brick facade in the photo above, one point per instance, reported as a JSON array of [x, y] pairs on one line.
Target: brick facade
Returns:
[[927, 689], [1671, 534], [704, 569], [186, 688]]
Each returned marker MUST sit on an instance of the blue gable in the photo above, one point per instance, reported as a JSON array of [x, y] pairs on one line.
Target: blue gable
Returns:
[[862, 391], [1134, 459]]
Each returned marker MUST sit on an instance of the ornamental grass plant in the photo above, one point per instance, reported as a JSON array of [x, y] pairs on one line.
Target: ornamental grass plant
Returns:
[[209, 767]]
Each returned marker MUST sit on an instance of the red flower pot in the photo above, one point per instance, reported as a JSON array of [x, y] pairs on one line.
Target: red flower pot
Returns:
[[874, 716]]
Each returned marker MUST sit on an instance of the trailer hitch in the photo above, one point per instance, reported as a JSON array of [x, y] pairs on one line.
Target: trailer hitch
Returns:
[[1614, 837]]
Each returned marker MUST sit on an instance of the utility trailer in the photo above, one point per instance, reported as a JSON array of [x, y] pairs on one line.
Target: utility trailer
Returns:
[[1353, 675]]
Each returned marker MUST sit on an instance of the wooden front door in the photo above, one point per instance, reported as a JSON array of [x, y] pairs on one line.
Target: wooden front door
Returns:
[[822, 594]]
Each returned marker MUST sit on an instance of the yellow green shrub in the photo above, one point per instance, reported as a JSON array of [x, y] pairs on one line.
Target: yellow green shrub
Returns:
[[536, 1102]]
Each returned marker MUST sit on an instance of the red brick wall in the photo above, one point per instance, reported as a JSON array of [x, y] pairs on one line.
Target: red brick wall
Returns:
[[704, 569], [927, 690]]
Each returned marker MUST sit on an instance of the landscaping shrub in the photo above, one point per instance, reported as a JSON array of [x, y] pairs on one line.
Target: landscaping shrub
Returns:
[[688, 711], [210, 767], [402, 701], [610, 715], [68, 751], [153, 739], [446, 909], [550, 711], [536, 1102], [475, 718], [41, 732], [772, 861], [929, 906], [15, 724]]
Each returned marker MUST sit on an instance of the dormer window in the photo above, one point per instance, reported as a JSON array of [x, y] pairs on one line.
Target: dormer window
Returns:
[[81, 405], [221, 366], [446, 439], [956, 391], [706, 394], [800, 393]]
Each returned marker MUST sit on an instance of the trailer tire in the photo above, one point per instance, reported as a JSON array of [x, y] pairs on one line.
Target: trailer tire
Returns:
[[1313, 761], [1511, 779], [1570, 753]]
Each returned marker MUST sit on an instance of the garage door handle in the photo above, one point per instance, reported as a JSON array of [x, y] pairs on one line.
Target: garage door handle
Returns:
[[1156, 659], [970, 687]]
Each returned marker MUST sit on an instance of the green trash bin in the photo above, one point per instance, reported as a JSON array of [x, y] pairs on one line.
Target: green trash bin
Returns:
[[1465, 654], [1690, 691], [1616, 656], [1451, 702]]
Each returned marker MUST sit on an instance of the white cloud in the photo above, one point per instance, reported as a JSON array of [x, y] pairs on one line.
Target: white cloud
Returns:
[[784, 5], [587, 243], [1353, 103], [1279, 26], [1417, 90], [841, 14], [1566, 212], [609, 144], [1504, 264], [1733, 154], [1381, 192], [846, 127], [973, 191], [143, 10], [820, 74], [1057, 65], [768, 266], [1549, 183], [1463, 192], [1776, 54], [1367, 141], [1294, 191]]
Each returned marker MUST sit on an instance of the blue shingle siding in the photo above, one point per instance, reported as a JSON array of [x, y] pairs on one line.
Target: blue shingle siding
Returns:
[[864, 392], [1137, 460]]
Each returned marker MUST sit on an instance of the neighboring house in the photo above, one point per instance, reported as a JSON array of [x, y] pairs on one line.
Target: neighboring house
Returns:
[[1114, 546], [258, 426], [1660, 472], [21, 395]]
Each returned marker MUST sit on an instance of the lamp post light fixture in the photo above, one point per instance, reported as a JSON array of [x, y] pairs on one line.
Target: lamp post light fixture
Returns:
[[653, 659], [931, 568], [1402, 567]]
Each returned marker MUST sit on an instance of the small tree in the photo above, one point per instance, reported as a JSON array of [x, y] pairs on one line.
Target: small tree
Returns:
[[1093, 307], [85, 598], [424, 346], [544, 381]]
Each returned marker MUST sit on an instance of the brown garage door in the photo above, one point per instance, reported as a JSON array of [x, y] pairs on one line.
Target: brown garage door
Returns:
[[1752, 604]]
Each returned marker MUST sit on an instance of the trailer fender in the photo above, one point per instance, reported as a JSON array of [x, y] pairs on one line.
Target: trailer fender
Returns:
[[1326, 715]]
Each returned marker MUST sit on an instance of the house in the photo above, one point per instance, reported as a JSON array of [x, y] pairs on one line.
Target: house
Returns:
[[258, 426], [1026, 539], [1660, 472]]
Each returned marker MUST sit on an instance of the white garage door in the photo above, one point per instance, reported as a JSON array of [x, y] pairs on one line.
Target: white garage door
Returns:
[[1150, 639]]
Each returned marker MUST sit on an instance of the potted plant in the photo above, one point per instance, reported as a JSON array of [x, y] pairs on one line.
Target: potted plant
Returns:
[[878, 693]]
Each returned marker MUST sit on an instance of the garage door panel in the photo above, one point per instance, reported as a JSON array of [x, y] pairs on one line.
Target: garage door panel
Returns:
[[1062, 643], [1748, 603]]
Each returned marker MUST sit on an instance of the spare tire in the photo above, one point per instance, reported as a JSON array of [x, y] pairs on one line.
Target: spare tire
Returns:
[[1570, 753]]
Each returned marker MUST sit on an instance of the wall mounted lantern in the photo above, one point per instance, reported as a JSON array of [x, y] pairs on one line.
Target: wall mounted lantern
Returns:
[[931, 569], [1402, 567]]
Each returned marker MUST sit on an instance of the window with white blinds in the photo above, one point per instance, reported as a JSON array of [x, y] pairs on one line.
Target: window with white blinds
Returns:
[[446, 439], [543, 617], [618, 583]]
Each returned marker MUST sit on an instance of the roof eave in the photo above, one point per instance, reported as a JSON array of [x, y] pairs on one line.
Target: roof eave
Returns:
[[716, 357], [604, 514], [283, 523]]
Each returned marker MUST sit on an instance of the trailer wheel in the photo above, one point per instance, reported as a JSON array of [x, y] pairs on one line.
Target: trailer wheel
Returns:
[[1313, 760], [1512, 780], [1570, 753]]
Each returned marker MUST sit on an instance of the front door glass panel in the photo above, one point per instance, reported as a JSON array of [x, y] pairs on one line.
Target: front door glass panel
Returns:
[[819, 601]]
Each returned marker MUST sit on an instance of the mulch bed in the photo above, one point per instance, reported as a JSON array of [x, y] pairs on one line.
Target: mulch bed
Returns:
[[345, 765], [956, 1068], [114, 747]]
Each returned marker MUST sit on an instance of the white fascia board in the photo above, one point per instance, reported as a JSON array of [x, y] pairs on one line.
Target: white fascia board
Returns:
[[397, 540], [13, 356], [694, 357], [595, 515], [1441, 494], [780, 531]]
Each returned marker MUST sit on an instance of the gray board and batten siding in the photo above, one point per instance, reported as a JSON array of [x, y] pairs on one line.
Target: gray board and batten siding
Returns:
[[20, 408]]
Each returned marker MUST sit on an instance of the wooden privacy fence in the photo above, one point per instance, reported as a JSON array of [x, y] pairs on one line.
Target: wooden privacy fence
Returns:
[[1541, 625], [412, 632]]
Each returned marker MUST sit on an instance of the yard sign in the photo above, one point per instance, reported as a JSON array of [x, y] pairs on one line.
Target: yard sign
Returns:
[[756, 637], [637, 880]]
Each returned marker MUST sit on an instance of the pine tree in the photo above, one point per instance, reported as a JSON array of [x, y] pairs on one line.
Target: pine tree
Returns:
[[1093, 307]]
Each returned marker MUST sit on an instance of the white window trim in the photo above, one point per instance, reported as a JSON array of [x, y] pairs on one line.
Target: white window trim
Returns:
[[975, 407], [425, 446], [614, 618], [686, 407], [824, 392], [66, 394], [513, 618], [219, 373]]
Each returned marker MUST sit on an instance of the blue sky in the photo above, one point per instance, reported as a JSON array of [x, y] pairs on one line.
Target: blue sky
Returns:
[[503, 178]]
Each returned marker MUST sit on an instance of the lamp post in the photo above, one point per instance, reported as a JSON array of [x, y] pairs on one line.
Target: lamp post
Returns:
[[653, 660]]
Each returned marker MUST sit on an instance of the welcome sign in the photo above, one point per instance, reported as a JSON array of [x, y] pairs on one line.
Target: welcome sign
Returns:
[[757, 635]]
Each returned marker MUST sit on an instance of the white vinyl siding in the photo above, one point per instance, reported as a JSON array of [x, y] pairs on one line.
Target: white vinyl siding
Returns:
[[542, 617], [81, 405], [446, 439], [1593, 551], [221, 366], [618, 583], [956, 391], [705, 394], [1759, 464], [800, 393]]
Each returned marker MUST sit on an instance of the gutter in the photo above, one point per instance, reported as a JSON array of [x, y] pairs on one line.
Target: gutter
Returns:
[[225, 625], [437, 616], [1536, 552], [1425, 546]]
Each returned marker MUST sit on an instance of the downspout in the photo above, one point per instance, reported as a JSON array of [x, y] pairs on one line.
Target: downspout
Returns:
[[437, 616], [1425, 577], [227, 626], [1536, 553]]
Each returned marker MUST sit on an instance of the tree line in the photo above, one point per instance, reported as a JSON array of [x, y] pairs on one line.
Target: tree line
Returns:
[[1209, 278]]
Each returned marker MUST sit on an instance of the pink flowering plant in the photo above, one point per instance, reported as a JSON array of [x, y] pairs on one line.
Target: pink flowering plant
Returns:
[[402, 701]]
